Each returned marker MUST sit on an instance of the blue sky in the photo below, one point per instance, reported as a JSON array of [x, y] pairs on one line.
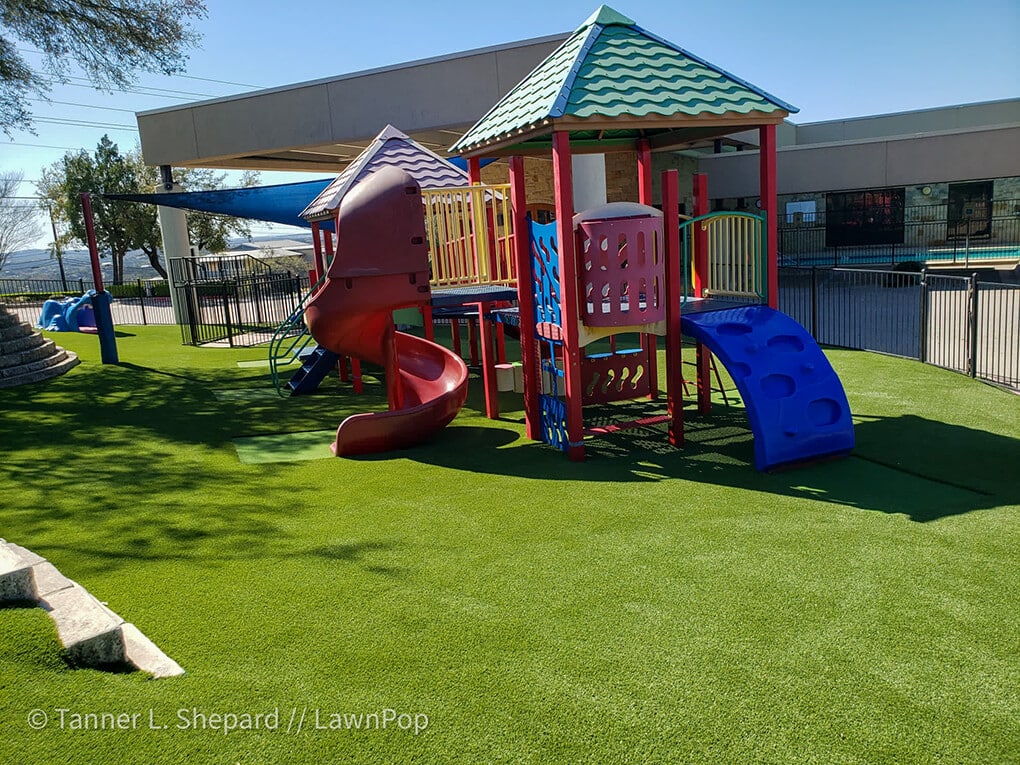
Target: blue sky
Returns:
[[832, 60]]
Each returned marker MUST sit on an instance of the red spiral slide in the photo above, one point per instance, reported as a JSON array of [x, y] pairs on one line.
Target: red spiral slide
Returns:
[[381, 264]]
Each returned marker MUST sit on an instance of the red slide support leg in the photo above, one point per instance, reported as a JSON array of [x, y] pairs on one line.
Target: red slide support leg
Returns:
[[704, 375], [473, 341], [359, 386], [488, 361]]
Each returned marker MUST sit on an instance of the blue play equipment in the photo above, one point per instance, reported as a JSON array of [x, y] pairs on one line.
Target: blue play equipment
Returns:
[[314, 367], [89, 313], [795, 402], [69, 315]]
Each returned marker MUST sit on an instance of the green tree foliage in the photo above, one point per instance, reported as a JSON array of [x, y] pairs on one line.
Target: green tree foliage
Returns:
[[124, 226], [110, 40]]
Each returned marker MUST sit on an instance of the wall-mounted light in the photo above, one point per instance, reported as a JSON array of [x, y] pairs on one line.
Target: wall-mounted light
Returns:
[[926, 190]]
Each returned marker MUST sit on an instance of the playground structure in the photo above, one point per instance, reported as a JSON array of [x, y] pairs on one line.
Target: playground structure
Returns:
[[588, 280], [69, 315], [382, 265], [470, 267]]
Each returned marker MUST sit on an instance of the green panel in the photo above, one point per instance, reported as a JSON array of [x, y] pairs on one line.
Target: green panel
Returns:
[[408, 317], [246, 394], [285, 447]]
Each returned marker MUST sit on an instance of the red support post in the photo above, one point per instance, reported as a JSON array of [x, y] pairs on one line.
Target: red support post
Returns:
[[644, 163], [488, 362], [455, 335], [319, 265], [328, 245], [700, 235], [359, 385], [472, 329], [428, 325], [648, 342], [90, 238], [500, 343], [474, 170], [101, 302], [767, 193], [703, 355], [674, 296], [525, 297], [569, 306]]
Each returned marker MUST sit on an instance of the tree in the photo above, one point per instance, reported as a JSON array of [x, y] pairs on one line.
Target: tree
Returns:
[[110, 40], [18, 225], [124, 226], [117, 226]]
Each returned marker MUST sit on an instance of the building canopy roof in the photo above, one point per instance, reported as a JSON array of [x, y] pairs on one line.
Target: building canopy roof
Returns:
[[390, 148], [612, 82]]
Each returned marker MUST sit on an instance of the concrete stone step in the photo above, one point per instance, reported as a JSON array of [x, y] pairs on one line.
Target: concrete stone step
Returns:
[[91, 634], [58, 354], [29, 339], [15, 331], [16, 582], [24, 353], [57, 365], [8, 319]]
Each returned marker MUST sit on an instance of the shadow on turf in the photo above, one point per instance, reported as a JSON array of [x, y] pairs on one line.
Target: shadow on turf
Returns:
[[100, 450], [908, 465]]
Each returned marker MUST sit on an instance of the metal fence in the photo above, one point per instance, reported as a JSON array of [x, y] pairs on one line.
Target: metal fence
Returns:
[[220, 305], [236, 309], [955, 322], [140, 302], [927, 234]]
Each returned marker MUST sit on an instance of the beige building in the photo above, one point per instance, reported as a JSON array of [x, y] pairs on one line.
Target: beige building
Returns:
[[919, 180]]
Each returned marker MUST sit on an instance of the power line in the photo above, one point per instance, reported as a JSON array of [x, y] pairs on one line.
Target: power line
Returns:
[[84, 106], [41, 146], [85, 123], [173, 76], [93, 88], [85, 82]]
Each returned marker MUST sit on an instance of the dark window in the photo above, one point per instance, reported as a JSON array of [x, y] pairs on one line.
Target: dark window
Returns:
[[969, 210], [542, 214], [856, 218]]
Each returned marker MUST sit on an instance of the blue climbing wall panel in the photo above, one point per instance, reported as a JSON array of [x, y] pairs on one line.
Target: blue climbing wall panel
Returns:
[[795, 402]]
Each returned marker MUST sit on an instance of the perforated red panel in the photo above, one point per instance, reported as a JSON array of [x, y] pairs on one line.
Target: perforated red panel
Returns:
[[621, 271], [615, 377]]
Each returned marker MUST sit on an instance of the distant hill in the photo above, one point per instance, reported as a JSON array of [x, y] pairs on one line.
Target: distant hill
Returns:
[[37, 264]]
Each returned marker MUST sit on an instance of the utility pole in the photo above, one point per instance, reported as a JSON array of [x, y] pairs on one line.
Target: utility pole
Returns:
[[56, 249]]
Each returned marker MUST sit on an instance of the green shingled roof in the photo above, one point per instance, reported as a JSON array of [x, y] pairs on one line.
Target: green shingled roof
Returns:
[[611, 70]]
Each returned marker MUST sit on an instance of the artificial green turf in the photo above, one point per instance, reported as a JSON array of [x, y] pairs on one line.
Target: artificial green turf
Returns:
[[245, 394], [647, 605]]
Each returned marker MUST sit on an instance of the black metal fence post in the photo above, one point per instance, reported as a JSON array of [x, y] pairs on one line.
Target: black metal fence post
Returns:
[[226, 313], [922, 324], [814, 302], [141, 301], [972, 325]]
